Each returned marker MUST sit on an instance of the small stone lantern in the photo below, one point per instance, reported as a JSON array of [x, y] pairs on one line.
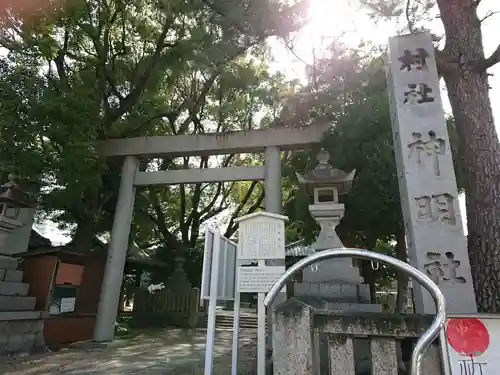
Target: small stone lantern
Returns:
[[327, 183], [12, 199], [334, 280]]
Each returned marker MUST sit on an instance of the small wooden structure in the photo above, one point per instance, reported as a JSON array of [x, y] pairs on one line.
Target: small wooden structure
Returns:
[[66, 282], [312, 341]]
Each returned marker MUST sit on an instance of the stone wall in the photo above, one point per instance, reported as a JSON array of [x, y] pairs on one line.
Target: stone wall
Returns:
[[20, 336]]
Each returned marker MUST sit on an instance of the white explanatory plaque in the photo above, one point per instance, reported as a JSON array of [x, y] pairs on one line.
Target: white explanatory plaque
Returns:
[[261, 236], [258, 279], [473, 344], [67, 305]]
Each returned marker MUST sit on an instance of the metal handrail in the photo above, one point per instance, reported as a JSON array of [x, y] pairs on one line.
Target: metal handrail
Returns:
[[425, 340]]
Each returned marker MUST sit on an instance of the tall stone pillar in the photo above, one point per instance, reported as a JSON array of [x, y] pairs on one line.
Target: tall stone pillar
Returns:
[[272, 186], [117, 254], [272, 204], [272, 182], [427, 184]]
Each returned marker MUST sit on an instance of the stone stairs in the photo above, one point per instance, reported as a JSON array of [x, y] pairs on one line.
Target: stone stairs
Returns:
[[13, 292], [21, 328], [224, 321]]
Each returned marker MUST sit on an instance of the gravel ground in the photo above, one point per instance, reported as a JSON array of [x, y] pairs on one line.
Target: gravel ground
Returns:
[[247, 363], [171, 352]]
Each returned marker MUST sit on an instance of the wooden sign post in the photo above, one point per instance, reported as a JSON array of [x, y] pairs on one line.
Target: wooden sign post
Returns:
[[261, 238]]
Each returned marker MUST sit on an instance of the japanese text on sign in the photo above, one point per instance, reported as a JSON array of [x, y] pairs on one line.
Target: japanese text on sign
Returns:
[[258, 279], [261, 240]]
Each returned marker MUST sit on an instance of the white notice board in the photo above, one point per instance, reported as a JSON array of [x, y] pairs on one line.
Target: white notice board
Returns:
[[67, 305], [261, 236], [258, 279], [474, 344]]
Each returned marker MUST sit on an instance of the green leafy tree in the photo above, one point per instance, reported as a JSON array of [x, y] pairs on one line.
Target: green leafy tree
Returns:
[[91, 70]]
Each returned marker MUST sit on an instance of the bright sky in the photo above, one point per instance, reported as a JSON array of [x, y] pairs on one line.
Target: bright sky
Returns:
[[344, 20], [337, 18]]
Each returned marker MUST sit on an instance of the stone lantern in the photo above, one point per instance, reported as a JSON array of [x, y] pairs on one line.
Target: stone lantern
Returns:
[[12, 199], [336, 282], [326, 184], [23, 327]]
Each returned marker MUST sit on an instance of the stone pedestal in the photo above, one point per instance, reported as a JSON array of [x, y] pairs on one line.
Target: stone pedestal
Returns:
[[178, 281], [21, 328]]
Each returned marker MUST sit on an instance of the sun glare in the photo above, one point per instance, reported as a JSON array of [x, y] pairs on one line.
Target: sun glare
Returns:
[[340, 19], [325, 16]]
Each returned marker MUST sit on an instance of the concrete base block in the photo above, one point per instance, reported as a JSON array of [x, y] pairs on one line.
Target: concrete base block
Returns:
[[21, 336], [15, 303], [340, 271], [361, 307], [351, 293], [7, 262], [13, 288], [14, 276]]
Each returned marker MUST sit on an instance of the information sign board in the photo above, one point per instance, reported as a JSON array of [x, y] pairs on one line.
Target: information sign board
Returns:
[[261, 236], [258, 279]]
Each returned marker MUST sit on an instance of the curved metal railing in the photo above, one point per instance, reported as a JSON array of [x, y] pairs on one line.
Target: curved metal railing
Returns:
[[425, 340]]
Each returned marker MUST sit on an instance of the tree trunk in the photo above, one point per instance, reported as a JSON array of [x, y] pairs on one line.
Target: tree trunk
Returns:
[[367, 272], [369, 278], [468, 91], [83, 239], [402, 277]]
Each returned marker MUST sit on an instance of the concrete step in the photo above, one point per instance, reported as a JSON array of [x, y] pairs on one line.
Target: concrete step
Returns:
[[15, 276], [226, 322], [13, 289], [22, 315], [230, 324], [15, 303], [8, 262]]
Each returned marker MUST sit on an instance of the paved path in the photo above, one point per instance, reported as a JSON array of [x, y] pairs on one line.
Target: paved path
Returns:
[[172, 352]]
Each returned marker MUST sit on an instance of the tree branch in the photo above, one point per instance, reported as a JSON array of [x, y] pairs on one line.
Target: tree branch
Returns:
[[140, 80], [489, 14], [490, 61], [59, 61], [160, 222], [231, 228], [207, 214], [407, 13]]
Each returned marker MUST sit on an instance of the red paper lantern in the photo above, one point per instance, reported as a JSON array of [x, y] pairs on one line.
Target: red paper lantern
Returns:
[[468, 337]]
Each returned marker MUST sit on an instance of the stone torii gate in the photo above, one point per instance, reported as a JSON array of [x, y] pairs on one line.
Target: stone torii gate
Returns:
[[270, 141]]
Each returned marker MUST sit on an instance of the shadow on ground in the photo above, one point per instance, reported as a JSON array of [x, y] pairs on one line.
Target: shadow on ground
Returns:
[[170, 351]]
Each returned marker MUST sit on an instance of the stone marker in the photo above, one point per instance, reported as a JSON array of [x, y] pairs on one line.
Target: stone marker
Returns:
[[427, 184]]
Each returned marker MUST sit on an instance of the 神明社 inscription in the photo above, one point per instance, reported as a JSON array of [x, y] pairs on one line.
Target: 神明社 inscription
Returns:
[[432, 147], [440, 268], [436, 207], [426, 176]]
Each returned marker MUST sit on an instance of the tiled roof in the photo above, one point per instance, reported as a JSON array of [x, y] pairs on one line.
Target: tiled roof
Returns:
[[298, 249]]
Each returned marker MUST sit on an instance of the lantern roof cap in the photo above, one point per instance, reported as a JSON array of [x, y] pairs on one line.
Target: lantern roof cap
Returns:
[[11, 193], [325, 175]]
